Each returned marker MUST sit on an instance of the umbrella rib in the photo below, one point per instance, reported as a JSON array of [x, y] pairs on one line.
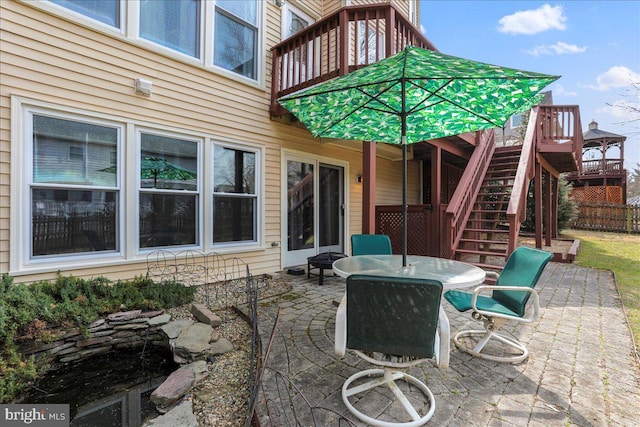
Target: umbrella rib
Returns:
[[432, 93], [371, 98]]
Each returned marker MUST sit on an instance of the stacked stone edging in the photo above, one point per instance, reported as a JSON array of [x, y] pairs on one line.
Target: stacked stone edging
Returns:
[[118, 331], [191, 344]]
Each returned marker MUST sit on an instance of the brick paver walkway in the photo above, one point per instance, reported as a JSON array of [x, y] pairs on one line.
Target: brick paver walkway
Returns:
[[582, 369]]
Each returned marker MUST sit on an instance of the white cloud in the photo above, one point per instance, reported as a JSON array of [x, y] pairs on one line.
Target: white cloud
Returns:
[[533, 21], [615, 77], [559, 90], [560, 48], [621, 109]]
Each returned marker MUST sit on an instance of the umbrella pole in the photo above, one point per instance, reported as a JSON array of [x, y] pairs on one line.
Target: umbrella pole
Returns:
[[404, 201], [403, 140]]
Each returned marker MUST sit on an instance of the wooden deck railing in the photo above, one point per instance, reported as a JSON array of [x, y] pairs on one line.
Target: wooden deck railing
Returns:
[[517, 208], [338, 44], [600, 167]]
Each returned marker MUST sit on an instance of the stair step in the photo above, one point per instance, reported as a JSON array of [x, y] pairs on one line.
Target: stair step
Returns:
[[494, 194], [485, 242], [493, 211], [500, 172], [485, 220], [478, 252], [485, 230], [500, 186], [492, 202]]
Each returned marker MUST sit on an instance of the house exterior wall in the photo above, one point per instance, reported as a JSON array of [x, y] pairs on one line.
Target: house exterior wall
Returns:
[[52, 62]]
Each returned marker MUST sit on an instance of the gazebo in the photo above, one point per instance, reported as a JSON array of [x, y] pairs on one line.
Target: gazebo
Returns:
[[601, 177]]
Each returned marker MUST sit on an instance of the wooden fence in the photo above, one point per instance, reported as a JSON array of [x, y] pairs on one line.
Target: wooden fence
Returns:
[[606, 217]]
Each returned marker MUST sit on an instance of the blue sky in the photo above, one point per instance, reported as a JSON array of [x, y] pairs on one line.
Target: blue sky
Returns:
[[593, 45]]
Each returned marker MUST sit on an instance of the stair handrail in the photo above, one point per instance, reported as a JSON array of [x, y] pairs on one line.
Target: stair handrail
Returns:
[[517, 208], [461, 204]]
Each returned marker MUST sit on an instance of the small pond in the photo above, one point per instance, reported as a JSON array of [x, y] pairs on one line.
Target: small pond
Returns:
[[111, 390]]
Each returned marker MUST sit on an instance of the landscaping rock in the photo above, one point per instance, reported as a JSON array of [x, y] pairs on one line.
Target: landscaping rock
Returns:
[[124, 315], [203, 314], [131, 326], [177, 385], [150, 314], [93, 341], [219, 347], [173, 329], [97, 323], [159, 320], [193, 342], [182, 415]]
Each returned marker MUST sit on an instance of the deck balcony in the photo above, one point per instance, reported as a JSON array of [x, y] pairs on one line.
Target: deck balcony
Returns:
[[338, 44]]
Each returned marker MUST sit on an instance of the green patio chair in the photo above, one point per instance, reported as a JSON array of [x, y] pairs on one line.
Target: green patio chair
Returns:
[[383, 316], [370, 244], [508, 300]]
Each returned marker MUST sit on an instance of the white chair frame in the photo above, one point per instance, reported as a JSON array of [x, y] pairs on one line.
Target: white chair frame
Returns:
[[386, 376], [493, 322]]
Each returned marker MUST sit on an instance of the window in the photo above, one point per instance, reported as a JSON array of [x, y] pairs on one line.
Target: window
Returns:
[[74, 188], [174, 24], [70, 205], [236, 36], [168, 203], [234, 195], [293, 20], [232, 42], [105, 11]]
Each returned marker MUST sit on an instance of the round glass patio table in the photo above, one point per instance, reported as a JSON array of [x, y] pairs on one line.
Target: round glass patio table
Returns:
[[452, 274]]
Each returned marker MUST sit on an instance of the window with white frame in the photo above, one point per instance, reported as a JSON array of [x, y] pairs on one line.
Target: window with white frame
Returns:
[[70, 197], [235, 196], [180, 25], [105, 11], [236, 36], [174, 24], [73, 188], [168, 195]]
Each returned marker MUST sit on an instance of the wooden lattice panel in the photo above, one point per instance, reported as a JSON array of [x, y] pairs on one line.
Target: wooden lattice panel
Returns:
[[597, 194], [389, 222], [614, 195]]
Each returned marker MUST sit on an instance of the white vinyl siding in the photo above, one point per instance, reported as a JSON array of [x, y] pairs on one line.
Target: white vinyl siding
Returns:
[[224, 35]]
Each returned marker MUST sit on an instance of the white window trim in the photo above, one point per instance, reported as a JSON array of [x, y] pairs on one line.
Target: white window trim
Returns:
[[130, 31], [20, 259], [286, 8], [20, 262], [139, 130], [260, 199]]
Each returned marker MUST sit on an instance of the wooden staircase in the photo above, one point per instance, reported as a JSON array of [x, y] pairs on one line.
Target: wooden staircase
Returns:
[[485, 237]]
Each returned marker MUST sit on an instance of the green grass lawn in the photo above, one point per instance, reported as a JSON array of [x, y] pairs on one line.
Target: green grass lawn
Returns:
[[621, 254]]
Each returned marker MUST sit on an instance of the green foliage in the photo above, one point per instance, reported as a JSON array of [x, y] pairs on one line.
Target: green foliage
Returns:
[[26, 310], [567, 209]]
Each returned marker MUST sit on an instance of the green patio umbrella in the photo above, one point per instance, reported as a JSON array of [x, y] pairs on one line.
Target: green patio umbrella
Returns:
[[159, 168], [413, 96], [155, 167]]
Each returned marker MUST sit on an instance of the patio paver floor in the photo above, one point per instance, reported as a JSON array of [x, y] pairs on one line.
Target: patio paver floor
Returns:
[[582, 369]]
